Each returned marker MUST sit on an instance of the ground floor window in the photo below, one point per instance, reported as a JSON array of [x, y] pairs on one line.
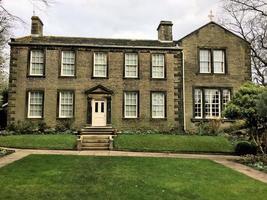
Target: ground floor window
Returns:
[[209, 103], [158, 104], [35, 104], [131, 104], [66, 101]]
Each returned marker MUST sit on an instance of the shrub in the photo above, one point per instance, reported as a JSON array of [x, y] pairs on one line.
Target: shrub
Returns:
[[244, 148], [64, 125], [212, 127], [237, 125]]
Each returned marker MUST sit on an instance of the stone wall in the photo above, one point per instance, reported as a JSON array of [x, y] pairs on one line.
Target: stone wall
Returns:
[[238, 63], [51, 83]]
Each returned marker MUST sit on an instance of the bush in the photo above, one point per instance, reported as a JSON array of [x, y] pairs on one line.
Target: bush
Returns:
[[244, 148], [64, 125], [211, 128]]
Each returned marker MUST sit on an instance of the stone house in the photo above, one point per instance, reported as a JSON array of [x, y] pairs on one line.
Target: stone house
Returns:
[[162, 84]]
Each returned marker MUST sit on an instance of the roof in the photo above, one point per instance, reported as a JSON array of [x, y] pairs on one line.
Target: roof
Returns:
[[212, 22], [92, 42]]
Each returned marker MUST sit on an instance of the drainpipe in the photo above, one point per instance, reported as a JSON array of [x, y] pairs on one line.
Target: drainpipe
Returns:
[[184, 92]]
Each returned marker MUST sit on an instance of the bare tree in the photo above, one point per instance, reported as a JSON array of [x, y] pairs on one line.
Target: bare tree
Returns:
[[8, 21], [248, 18]]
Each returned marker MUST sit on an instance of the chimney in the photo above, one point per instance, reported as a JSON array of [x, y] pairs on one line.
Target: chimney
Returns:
[[165, 31], [37, 26]]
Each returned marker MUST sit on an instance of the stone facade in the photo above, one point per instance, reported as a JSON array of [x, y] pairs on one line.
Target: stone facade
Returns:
[[238, 64]]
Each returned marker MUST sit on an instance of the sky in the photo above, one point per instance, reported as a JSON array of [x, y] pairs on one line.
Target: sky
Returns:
[[135, 19]]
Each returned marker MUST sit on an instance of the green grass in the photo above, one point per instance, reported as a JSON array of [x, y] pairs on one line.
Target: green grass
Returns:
[[173, 143], [81, 177], [39, 141]]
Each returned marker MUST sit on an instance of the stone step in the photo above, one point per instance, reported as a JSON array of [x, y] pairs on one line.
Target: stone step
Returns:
[[86, 140], [97, 127], [95, 148], [96, 133], [95, 145], [97, 137]]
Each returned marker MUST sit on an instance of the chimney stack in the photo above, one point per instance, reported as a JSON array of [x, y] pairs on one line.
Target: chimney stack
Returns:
[[37, 26], [165, 31]]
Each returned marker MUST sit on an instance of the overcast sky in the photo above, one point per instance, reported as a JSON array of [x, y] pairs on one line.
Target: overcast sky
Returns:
[[137, 19]]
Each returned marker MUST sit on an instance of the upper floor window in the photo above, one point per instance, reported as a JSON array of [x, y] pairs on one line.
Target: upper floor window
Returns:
[[66, 101], [36, 63], [100, 65], [35, 104], [209, 103], [68, 63], [212, 61], [218, 61], [158, 104], [131, 104], [131, 65], [205, 61], [158, 67]]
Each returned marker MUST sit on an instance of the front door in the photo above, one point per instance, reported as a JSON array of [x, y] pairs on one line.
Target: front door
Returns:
[[99, 112]]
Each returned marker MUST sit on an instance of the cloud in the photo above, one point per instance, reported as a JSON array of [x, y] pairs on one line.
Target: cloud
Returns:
[[116, 18]]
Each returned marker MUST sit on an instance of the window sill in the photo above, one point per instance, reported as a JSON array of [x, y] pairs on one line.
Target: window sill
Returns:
[[95, 77], [125, 118], [62, 118], [158, 79], [131, 78], [158, 119], [206, 120], [37, 76], [35, 118], [211, 74], [67, 77]]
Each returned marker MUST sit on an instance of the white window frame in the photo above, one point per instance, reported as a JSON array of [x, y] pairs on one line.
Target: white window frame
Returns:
[[136, 104], [209, 61], [222, 62], [212, 115], [62, 64], [106, 65], [224, 103], [201, 103], [29, 106], [130, 65], [203, 92], [60, 114], [31, 67], [163, 105], [154, 65]]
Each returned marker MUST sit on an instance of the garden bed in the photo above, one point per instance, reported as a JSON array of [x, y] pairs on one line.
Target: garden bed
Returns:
[[256, 162], [4, 152]]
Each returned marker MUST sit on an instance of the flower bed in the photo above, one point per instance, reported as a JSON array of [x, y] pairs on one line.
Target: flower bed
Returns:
[[258, 162]]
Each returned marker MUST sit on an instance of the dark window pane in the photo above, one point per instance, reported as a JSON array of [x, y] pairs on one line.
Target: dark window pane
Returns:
[[102, 107], [96, 107]]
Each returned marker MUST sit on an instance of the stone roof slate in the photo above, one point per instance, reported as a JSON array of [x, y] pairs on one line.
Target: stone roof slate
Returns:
[[59, 40]]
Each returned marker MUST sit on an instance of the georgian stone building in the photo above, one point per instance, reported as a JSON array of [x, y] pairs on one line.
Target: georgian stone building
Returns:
[[127, 84]]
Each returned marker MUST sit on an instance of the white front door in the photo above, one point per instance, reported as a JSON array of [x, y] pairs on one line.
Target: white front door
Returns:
[[99, 113]]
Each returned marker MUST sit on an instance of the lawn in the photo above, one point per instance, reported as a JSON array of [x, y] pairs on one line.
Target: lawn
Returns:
[[81, 177], [173, 143], [39, 141]]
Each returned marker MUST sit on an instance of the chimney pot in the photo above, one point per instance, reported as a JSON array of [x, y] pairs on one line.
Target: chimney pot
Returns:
[[37, 26], [165, 31]]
